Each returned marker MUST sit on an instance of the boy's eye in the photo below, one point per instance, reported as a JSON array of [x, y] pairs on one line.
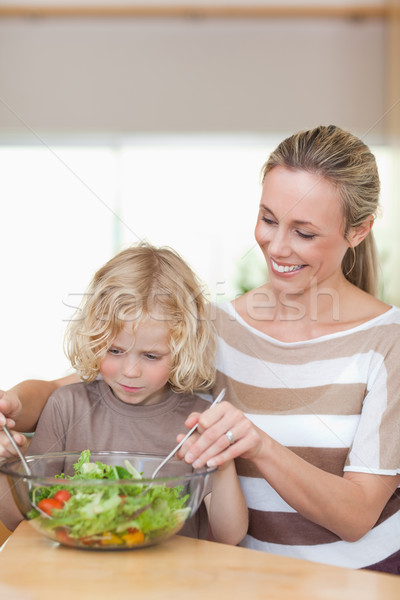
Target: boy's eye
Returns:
[[151, 356], [115, 351]]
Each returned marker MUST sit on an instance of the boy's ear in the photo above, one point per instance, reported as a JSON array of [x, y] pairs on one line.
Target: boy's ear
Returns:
[[358, 234]]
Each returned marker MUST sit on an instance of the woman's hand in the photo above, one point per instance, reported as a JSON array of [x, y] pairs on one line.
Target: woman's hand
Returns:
[[7, 449], [10, 407], [223, 433]]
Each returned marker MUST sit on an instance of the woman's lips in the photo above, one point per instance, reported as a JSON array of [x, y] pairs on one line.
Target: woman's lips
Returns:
[[285, 268]]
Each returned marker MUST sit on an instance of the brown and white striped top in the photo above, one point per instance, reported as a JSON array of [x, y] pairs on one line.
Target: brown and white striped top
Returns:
[[334, 401]]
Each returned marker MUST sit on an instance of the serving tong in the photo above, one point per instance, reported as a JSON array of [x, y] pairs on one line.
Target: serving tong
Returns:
[[26, 467], [175, 450]]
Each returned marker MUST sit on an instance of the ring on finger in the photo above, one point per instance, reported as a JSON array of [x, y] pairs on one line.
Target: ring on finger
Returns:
[[230, 435]]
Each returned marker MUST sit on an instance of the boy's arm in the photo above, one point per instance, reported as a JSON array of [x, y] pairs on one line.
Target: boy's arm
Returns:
[[226, 506]]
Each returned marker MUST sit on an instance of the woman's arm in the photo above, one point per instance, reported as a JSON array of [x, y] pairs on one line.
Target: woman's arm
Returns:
[[24, 402], [348, 506], [21, 406]]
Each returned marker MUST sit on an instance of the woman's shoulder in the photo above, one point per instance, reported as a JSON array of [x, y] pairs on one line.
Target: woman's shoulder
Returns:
[[361, 308], [357, 311]]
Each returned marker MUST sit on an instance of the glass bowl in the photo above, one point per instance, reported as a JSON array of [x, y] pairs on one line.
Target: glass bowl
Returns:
[[123, 509]]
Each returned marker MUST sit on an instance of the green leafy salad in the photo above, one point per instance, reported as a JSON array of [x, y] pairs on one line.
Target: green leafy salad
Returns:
[[121, 515]]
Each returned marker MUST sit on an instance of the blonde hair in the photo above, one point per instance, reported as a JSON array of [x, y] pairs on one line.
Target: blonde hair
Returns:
[[137, 281], [345, 161]]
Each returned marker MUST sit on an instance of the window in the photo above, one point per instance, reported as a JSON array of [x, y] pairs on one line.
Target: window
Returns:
[[66, 209]]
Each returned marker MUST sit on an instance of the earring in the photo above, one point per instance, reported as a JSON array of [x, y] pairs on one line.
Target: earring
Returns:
[[354, 261]]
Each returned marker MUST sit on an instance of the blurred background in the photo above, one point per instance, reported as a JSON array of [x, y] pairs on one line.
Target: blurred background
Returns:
[[151, 120]]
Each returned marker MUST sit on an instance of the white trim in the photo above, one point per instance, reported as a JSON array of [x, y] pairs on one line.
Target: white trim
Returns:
[[393, 313]]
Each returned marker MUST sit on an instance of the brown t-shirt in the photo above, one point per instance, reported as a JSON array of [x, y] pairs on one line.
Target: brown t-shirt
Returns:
[[88, 416]]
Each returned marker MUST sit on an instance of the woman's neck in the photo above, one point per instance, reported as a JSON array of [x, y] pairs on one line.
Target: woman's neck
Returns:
[[302, 316]]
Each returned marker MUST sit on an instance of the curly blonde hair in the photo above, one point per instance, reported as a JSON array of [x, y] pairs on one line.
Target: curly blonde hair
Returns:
[[128, 288], [344, 160]]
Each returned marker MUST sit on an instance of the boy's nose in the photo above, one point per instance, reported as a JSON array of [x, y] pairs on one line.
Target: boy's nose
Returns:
[[131, 368]]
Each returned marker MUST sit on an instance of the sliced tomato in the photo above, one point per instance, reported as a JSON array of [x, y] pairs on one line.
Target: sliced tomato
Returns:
[[88, 540], [49, 504], [64, 538], [62, 496]]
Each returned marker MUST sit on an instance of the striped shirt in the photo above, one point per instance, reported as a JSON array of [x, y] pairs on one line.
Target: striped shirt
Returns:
[[335, 402]]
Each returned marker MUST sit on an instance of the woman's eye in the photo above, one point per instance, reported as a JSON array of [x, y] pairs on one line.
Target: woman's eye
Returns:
[[306, 236], [268, 221]]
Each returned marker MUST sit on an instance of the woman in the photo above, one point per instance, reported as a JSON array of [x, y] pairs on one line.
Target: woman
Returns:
[[310, 364]]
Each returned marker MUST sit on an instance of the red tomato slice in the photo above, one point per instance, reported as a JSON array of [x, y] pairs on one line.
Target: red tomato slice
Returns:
[[64, 538], [49, 504], [62, 496]]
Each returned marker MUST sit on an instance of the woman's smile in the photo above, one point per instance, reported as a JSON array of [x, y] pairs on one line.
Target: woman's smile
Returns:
[[285, 269]]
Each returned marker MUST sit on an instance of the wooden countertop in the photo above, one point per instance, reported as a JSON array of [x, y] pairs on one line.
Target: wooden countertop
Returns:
[[35, 568]]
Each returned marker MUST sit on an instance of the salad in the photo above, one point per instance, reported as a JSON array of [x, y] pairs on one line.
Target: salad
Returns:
[[121, 515]]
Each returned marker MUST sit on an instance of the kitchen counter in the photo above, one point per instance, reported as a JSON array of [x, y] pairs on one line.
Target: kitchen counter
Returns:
[[33, 567]]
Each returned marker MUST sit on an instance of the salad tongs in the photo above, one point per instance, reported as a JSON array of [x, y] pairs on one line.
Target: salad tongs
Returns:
[[26, 467], [175, 450]]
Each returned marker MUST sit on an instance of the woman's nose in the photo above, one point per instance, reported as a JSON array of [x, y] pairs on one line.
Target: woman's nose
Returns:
[[279, 243]]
